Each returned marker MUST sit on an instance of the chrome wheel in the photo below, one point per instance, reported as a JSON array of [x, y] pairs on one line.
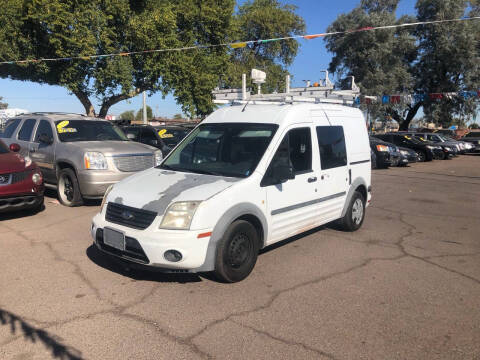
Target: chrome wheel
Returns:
[[357, 211]]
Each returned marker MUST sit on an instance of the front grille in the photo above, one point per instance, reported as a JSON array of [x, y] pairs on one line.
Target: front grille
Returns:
[[19, 177], [129, 216], [17, 202], [131, 163], [133, 249]]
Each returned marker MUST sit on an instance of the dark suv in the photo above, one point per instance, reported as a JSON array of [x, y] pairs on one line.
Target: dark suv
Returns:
[[425, 151]]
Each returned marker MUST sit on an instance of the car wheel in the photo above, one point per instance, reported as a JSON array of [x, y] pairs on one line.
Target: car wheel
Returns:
[[422, 157], [353, 219], [237, 252], [68, 188]]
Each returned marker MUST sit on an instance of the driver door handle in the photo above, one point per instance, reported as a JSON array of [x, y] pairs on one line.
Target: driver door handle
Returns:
[[312, 179]]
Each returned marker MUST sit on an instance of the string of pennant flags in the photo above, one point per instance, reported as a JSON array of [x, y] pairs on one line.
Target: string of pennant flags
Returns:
[[408, 99], [236, 45]]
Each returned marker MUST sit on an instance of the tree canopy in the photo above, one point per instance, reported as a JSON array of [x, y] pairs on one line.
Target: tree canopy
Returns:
[[139, 114], [2, 104], [426, 59], [64, 28]]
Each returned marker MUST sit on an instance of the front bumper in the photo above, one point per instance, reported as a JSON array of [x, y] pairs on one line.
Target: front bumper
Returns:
[[20, 202], [147, 247], [94, 183]]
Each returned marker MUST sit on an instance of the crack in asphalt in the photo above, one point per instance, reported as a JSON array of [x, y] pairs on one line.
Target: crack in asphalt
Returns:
[[286, 342]]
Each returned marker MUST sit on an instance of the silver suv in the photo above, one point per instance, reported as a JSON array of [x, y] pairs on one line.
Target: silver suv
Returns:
[[79, 155]]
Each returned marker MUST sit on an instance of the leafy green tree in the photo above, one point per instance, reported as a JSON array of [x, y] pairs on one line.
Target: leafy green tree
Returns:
[[127, 115], [139, 115], [264, 19], [426, 59], [2, 104], [474, 126], [178, 116]]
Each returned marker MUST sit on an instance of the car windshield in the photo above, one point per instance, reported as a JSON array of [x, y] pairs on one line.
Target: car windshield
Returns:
[[88, 130], [473, 134], [172, 136], [413, 139], [3, 148], [232, 149]]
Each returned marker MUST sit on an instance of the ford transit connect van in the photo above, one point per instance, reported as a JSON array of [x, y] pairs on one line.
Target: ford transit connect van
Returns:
[[247, 177]]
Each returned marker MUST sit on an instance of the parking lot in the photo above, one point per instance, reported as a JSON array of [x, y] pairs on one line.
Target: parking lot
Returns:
[[406, 286]]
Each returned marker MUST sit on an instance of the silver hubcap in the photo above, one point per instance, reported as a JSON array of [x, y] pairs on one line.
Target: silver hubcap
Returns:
[[357, 211]]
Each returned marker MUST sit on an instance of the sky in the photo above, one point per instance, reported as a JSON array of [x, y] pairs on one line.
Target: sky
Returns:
[[311, 59]]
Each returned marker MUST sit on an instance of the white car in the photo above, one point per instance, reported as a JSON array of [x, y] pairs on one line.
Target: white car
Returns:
[[247, 177]]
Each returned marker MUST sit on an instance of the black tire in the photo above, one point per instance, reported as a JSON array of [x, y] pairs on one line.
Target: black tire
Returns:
[[422, 156], [353, 219], [237, 252], [68, 189]]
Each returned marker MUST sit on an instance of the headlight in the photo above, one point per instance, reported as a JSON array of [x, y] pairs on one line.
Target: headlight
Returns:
[[37, 178], [404, 152], [28, 161], [382, 148], [179, 215], [95, 161], [105, 197], [430, 147], [158, 157]]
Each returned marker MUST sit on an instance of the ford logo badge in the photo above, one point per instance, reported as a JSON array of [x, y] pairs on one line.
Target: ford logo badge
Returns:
[[126, 215]]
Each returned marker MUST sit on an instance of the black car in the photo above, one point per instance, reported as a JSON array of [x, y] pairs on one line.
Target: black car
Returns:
[[409, 156], [425, 151], [149, 135], [449, 149], [385, 154], [173, 134]]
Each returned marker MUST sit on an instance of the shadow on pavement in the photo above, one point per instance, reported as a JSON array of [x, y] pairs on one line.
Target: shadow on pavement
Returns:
[[20, 327], [137, 272], [20, 214]]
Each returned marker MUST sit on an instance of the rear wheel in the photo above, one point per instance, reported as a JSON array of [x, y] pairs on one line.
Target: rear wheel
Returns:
[[68, 188], [353, 219], [422, 157], [237, 252]]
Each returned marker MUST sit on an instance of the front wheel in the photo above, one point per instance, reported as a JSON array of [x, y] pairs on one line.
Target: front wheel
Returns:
[[237, 252], [422, 157], [68, 188], [353, 219]]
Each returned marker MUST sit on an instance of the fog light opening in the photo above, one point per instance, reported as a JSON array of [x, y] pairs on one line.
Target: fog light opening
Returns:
[[172, 255]]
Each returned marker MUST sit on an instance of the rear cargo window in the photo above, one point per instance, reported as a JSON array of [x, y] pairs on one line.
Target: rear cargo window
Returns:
[[10, 128], [331, 141]]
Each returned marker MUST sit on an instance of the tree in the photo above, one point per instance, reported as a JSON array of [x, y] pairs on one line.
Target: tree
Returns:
[[178, 116], [423, 60], [62, 28], [263, 19], [127, 115], [139, 115], [474, 126], [2, 104]]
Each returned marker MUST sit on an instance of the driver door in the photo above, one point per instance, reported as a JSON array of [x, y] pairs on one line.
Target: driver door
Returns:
[[44, 154], [290, 204]]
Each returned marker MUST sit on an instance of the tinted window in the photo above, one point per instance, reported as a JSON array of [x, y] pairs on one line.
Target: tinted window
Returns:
[[10, 128], [25, 132], [231, 149], [172, 136], [3, 148], [473, 134], [88, 130], [331, 142], [133, 131], [44, 128], [148, 136]]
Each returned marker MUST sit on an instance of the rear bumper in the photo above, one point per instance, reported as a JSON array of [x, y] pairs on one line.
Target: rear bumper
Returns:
[[94, 183], [21, 202]]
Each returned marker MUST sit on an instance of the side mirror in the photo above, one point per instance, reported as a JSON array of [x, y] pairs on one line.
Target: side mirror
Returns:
[[14, 147], [282, 173], [45, 139]]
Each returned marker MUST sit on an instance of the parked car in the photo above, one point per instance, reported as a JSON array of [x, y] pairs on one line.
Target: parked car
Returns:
[[245, 178], [21, 181], [450, 149], [78, 155], [473, 138], [464, 145], [409, 156], [172, 134], [385, 153], [148, 135], [425, 151]]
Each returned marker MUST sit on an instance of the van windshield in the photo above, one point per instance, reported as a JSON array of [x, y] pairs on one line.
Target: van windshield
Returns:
[[226, 149], [88, 130]]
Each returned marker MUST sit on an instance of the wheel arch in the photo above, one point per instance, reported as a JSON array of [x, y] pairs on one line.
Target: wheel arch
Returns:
[[63, 164], [359, 184]]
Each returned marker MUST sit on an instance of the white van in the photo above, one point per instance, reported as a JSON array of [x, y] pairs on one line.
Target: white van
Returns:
[[247, 177]]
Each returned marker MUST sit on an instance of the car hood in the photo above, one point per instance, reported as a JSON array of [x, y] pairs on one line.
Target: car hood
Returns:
[[11, 162], [155, 189], [109, 148]]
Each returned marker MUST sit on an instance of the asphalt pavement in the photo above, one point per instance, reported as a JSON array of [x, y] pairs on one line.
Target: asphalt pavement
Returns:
[[405, 286]]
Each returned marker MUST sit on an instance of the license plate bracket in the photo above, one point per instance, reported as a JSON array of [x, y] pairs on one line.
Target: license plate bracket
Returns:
[[114, 238]]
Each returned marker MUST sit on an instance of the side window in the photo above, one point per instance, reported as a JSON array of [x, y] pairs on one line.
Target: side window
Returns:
[[25, 132], [148, 136], [132, 133], [331, 141], [44, 128], [10, 128], [294, 151]]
